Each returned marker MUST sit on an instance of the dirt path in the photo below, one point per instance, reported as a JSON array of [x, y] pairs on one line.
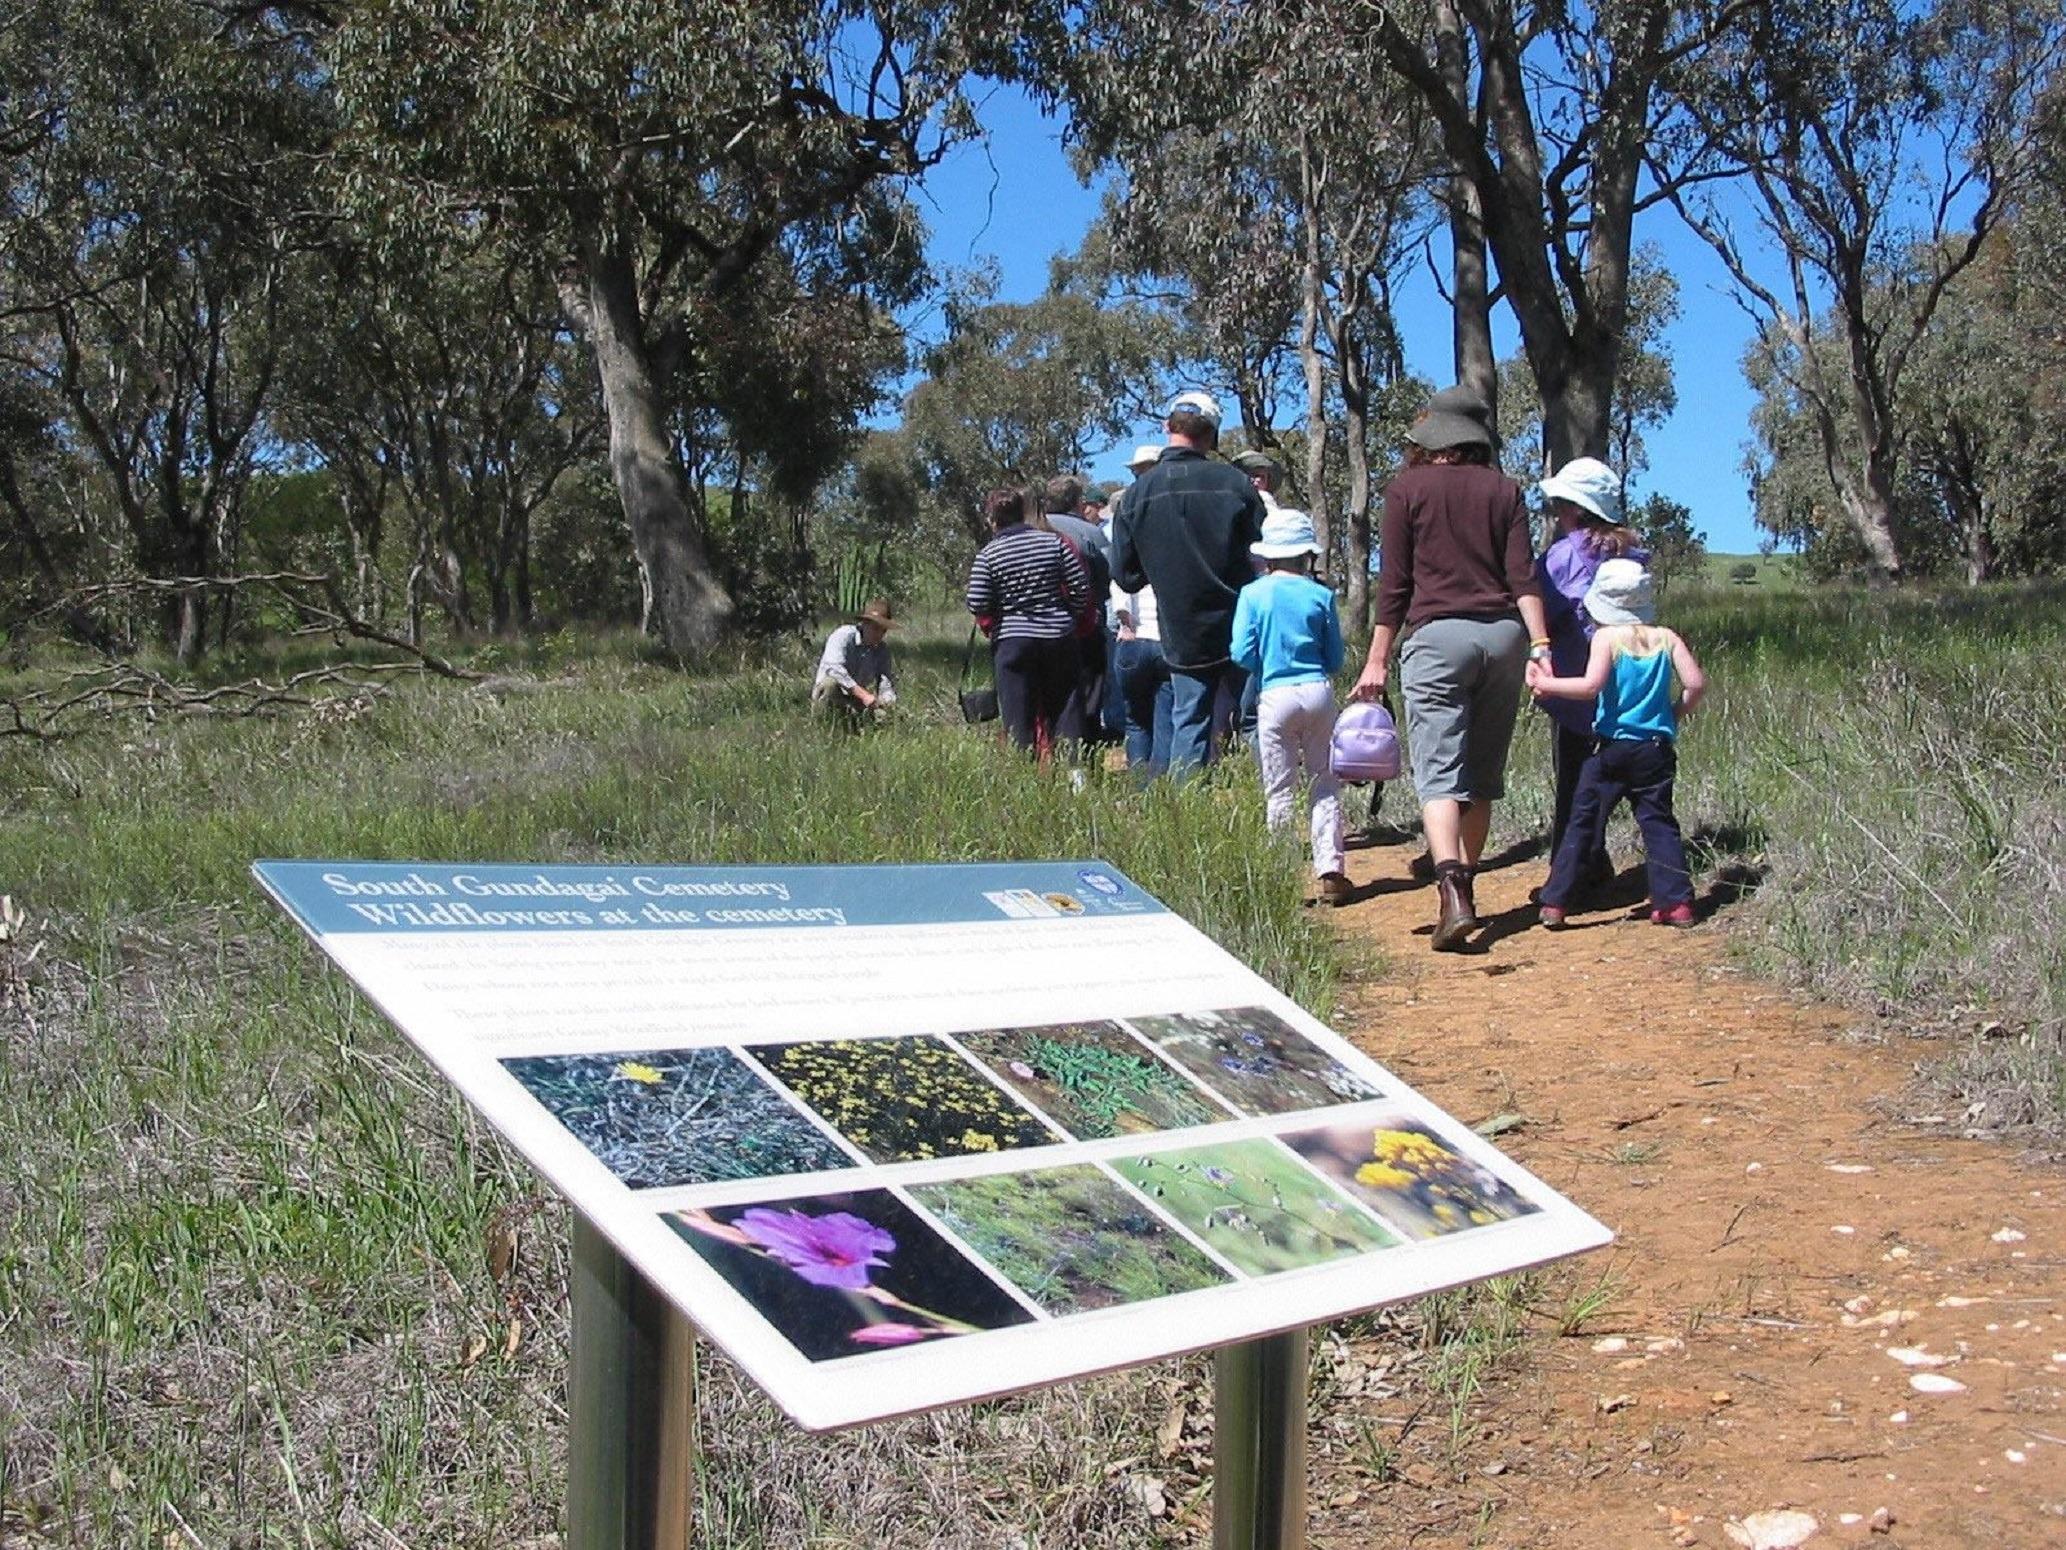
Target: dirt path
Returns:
[[1793, 1255]]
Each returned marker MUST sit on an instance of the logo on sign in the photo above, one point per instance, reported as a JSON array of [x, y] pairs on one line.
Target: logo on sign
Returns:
[[1104, 882]]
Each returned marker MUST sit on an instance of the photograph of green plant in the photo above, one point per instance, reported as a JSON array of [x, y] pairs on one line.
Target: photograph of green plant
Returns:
[[1256, 1060], [1410, 1178], [1094, 1079], [903, 1100], [661, 1117], [1258, 1206], [840, 1275], [1069, 1238]]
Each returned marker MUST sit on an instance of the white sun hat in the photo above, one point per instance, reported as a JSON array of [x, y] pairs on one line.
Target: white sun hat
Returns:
[[1286, 535], [1621, 593], [1588, 483]]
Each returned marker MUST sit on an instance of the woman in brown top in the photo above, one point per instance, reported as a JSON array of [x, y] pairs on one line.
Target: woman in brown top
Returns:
[[1457, 591]]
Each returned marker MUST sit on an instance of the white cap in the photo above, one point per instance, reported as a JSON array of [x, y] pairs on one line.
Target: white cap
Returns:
[[1200, 403], [1146, 452]]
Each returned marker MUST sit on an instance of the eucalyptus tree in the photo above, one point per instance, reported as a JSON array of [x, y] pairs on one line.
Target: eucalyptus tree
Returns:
[[1645, 388], [1881, 145], [1560, 124], [1274, 218], [444, 385], [665, 155], [157, 161], [1018, 391]]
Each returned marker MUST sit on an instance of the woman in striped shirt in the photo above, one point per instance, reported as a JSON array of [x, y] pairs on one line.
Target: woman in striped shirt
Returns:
[[1027, 589]]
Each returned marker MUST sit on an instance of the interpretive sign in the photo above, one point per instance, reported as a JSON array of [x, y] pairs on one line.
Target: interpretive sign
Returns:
[[897, 1137]]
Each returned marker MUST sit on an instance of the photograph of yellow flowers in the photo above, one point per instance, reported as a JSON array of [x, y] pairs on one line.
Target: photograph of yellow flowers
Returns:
[[1094, 1079], [1410, 1178], [1258, 1206], [903, 1100], [843, 1275], [1259, 1062], [664, 1117], [1069, 1238]]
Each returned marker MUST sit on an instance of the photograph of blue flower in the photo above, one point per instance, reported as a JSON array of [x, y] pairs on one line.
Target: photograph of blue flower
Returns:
[[1069, 1238], [841, 1275], [1255, 1204], [662, 1117], [1255, 1060]]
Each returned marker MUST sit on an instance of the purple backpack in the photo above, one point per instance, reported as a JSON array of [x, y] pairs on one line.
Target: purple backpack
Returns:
[[1365, 745]]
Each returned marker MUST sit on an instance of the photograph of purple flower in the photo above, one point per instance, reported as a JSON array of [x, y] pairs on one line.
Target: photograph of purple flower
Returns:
[[1255, 1060], [841, 1275]]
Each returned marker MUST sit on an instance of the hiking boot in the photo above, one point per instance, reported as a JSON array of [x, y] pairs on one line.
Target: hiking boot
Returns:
[[1455, 921], [1335, 889], [1677, 915], [1470, 896], [1551, 917]]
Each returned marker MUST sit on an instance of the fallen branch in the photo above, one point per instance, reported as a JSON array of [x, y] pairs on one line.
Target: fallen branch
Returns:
[[126, 688]]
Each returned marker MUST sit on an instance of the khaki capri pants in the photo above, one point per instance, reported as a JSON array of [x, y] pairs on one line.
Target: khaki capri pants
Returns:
[[1461, 682]]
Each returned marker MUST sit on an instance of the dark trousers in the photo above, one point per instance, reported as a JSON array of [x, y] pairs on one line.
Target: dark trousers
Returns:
[[1643, 773], [1568, 753], [1082, 719], [1115, 695], [1034, 678]]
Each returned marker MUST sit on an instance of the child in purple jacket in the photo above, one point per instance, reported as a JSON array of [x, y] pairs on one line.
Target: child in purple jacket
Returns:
[[1585, 498]]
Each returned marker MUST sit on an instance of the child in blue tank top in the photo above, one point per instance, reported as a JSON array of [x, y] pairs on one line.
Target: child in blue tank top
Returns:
[[1645, 678]]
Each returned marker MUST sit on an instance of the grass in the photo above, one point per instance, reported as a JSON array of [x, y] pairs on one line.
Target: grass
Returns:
[[256, 1276], [1877, 783], [259, 1270]]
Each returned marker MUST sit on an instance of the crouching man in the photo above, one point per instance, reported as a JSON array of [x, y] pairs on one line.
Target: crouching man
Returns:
[[853, 683]]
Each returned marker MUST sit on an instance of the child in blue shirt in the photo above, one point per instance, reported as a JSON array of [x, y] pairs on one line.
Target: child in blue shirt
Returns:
[[1287, 635], [1634, 668]]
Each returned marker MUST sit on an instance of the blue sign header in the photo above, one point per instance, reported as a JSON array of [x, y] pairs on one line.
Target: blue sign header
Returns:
[[431, 898]]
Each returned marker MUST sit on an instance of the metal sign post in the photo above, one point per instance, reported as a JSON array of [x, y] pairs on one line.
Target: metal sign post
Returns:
[[631, 1452], [1259, 1444]]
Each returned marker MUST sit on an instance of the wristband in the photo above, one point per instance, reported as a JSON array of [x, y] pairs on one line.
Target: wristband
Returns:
[[1540, 640]]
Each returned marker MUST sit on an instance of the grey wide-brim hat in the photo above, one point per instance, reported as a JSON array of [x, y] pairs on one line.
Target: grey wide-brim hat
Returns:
[[1621, 593], [1454, 417]]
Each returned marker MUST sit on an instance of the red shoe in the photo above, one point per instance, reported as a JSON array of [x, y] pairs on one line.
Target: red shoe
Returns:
[[1551, 917], [1677, 915]]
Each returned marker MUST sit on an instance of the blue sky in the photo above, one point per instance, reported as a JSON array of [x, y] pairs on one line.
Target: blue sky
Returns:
[[1013, 199]]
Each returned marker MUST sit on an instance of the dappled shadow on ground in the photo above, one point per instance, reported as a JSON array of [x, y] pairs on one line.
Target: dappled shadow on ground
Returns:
[[1532, 848]]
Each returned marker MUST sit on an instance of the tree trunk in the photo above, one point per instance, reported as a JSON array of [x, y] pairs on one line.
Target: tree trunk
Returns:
[[1310, 304], [1355, 400], [688, 603], [1577, 417], [1477, 366], [1871, 518]]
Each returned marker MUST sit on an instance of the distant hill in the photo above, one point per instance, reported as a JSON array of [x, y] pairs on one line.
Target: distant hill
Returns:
[[1771, 571]]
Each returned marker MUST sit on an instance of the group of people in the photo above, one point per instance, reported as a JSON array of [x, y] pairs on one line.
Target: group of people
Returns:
[[1192, 609]]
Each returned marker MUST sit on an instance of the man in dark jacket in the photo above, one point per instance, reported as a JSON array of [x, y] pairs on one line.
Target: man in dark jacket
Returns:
[[1184, 529]]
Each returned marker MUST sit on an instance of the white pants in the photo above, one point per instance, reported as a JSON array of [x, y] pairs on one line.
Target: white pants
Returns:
[[1292, 727]]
